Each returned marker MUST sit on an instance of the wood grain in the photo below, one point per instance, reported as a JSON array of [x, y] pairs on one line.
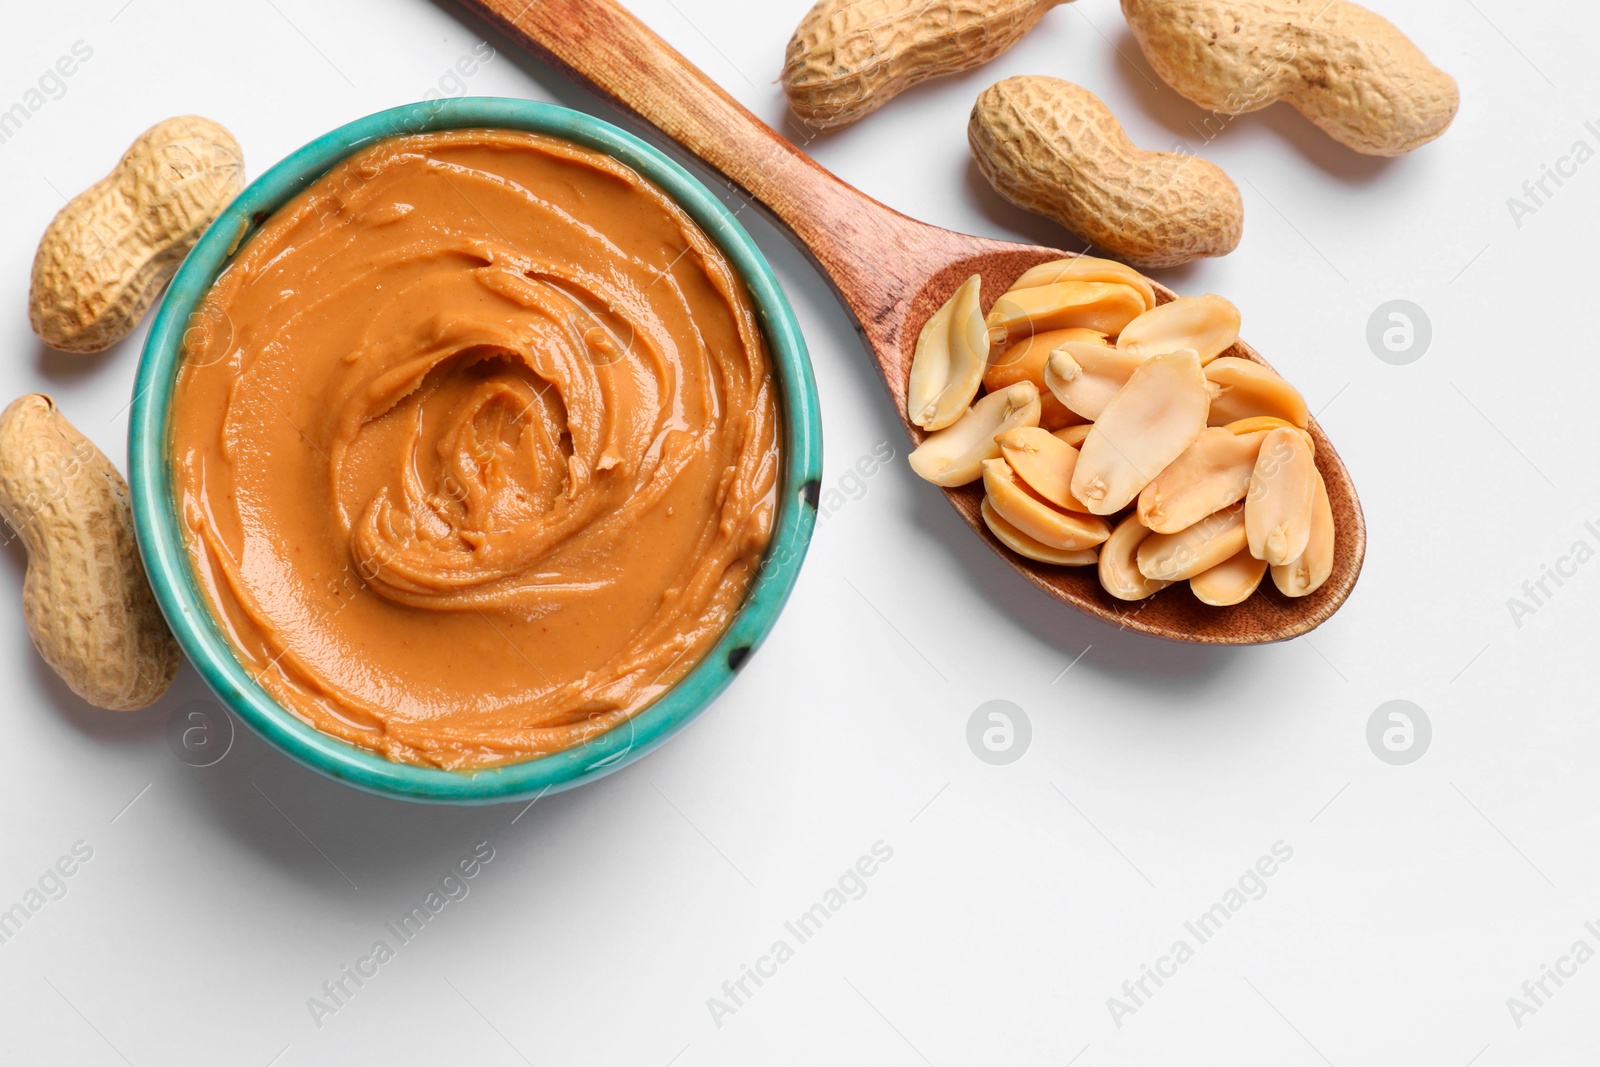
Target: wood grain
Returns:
[[892, 272]]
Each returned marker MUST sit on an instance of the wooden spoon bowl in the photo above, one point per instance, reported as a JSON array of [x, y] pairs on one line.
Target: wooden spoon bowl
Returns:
[[892, 272]]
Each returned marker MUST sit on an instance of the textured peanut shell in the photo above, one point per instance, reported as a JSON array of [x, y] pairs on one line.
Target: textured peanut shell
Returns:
[[86, 600], [847, 58], [1348, 70], [1052, 147], [106, 256]]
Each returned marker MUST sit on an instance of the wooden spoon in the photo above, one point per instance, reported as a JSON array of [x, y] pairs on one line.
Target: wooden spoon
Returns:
[[892, 272]]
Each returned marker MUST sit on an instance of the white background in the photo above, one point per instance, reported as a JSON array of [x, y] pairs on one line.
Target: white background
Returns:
[[1019, 898]]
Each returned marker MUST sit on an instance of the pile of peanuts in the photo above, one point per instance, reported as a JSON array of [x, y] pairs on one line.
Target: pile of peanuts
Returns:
[[1113, 433]]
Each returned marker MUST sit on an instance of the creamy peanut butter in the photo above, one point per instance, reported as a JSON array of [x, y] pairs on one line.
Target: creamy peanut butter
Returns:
[[476, 447]]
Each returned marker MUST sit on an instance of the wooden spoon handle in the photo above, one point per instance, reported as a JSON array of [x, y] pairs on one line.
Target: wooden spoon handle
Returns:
[[853, 237]]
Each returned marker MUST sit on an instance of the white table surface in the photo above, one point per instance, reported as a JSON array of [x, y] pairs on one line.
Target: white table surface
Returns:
[[1018, 898]]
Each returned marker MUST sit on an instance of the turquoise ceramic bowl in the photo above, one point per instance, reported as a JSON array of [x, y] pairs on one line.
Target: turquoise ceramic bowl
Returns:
[[167, 560]]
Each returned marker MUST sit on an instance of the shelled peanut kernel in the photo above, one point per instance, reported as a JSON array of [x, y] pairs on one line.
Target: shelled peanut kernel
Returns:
[[1115, 432]]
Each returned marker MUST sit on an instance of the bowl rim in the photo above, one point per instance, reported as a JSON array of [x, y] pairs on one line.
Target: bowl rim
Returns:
[[158, 526]]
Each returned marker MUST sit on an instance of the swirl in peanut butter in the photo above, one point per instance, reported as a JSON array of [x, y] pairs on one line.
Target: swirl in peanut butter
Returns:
[[476, 447]]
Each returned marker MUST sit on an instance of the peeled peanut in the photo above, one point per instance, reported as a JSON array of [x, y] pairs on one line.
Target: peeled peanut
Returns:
[[1174, 557], [1242, 388], [1052, 147], [1230, 582], [1057, 529], [951, 356], [86, 601], [1212, 473], [1281, 499], [1024, 362], [1260, 424], [1183, 439], [1045, 464], [1343, 67], [1105, 307], [848, 58], [1119, 566], [1207, 324], [1084, 378], [106, 256], [955, 455], [1074, 435], [1306, 573], [1023, 545], [1146, 426], [1087, 269]]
